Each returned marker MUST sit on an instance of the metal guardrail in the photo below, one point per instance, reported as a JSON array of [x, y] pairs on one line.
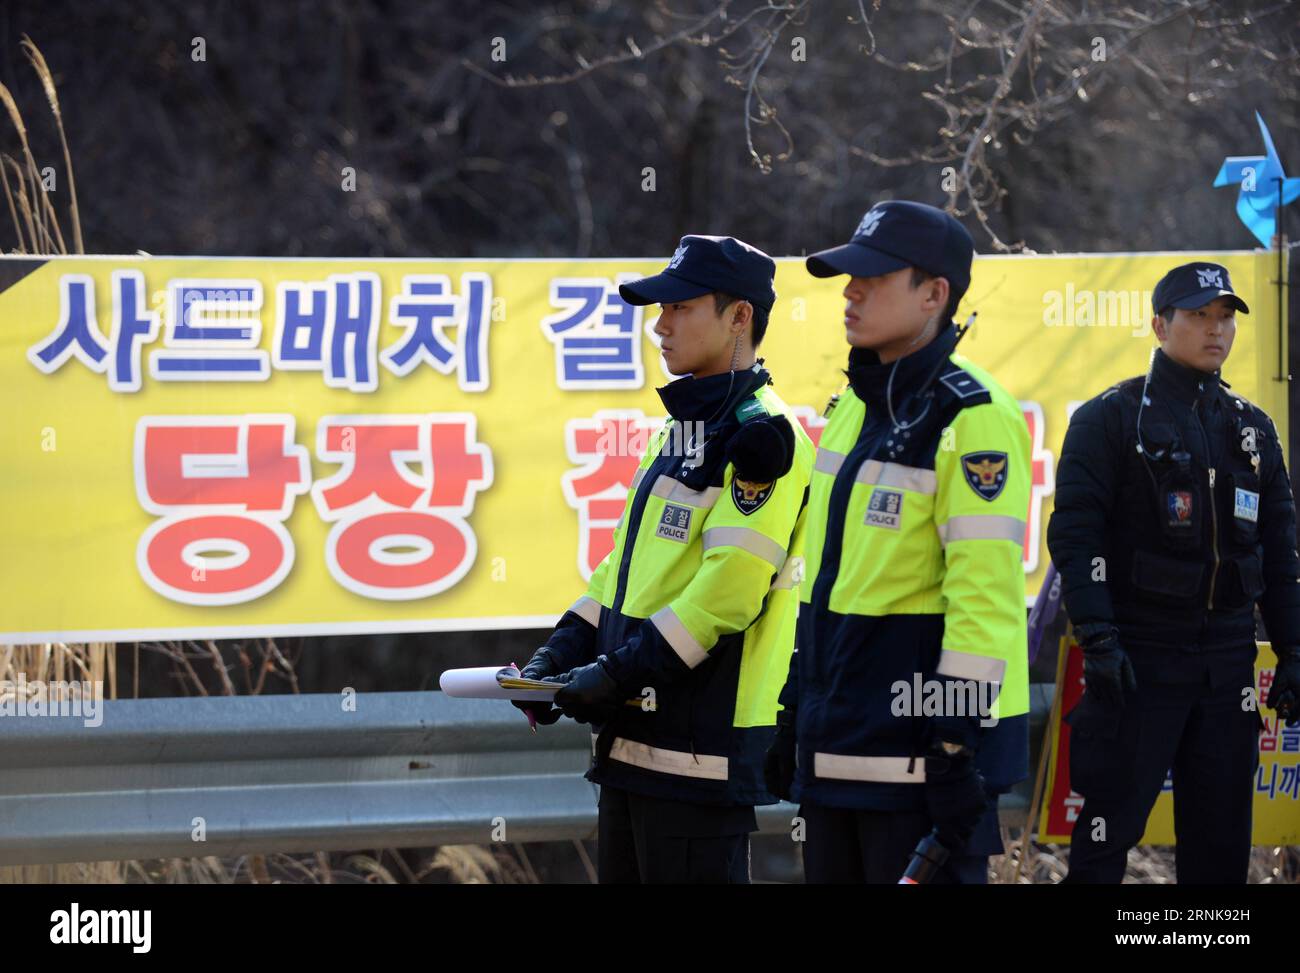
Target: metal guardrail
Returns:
[[300, 774]]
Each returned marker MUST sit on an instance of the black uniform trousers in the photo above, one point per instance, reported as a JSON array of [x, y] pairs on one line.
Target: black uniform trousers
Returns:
[[850, 846], [650, 841], [1189, 714]]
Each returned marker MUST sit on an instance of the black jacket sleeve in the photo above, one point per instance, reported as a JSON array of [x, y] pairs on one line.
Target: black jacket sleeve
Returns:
[[1280, 604], [1086, 484], [573, 643]]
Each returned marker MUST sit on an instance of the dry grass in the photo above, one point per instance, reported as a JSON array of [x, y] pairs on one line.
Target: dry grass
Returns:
[[1147, 865], [509, 865], [58, 662], [35, 220], [454, 864], [41, 665]]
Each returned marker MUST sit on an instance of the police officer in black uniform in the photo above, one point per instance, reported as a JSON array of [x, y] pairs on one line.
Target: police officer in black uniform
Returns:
[[1174, 518]]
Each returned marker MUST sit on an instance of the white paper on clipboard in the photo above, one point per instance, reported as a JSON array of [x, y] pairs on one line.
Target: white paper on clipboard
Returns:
[[484, 682]]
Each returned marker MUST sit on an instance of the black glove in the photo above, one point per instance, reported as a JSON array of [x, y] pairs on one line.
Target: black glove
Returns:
[[954, 795], [590, 693], [541, 665], [1107, 672], [762, 450], [778, 763], [1284, 695]]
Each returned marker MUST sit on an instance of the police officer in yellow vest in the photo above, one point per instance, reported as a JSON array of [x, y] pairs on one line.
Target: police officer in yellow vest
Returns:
[[692, 614], [905, 712]]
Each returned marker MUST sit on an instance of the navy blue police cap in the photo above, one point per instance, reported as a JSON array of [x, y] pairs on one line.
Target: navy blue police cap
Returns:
[[705, 265], [1195, 285], [897, 234]]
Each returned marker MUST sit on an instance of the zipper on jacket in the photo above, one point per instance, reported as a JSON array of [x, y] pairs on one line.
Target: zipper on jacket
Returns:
[[1214, 514], [634, 514], [1214, 542], [837, 505]]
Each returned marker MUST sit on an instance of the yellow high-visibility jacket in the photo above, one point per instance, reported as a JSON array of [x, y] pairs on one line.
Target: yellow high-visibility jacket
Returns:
[[913, 606], [696, 604]]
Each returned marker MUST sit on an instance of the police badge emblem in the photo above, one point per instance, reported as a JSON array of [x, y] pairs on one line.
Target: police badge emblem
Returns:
[[986, 473], [749, 496], [1179, 504]]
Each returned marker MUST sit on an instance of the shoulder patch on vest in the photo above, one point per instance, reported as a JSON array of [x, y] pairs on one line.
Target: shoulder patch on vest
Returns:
[[965, 386], [749, 496], [830, 406], [986, 473]]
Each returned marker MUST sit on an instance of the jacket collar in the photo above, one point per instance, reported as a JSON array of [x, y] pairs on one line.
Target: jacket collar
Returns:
[[869, 377], [711, 400], [1181, 382]]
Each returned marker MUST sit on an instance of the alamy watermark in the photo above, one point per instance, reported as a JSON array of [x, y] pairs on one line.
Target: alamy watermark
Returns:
[[60, 698], [74, 925], [1073, 308], [684, 439], [945, 697]]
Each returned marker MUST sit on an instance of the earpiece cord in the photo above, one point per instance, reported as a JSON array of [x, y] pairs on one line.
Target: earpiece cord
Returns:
[[731, 385], [924, 387], [1146, 384]]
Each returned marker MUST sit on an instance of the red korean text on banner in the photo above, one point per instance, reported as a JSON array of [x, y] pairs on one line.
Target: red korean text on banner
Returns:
[[219, 484], [607, 449], [401, 502]]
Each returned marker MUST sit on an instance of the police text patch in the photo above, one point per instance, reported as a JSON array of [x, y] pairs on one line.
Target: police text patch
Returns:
[[884, 509], [749, 496], [675, 523], [986, 473], [1246, 506]]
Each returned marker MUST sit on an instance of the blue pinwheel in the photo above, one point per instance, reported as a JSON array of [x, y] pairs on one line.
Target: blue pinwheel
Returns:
[[1258, 175]]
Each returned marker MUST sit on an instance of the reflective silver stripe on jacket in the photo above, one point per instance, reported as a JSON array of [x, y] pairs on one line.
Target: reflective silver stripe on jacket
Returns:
[[588, 609], [704, 766], [747, 539], [912, 478], [967, 665], [676, 635], [791, 574], [675, 491], [828, 461], [885, 770], [982, 527], [876, 473]]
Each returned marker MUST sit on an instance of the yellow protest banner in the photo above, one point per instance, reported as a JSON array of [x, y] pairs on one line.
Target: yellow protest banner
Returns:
[[221, 447]]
